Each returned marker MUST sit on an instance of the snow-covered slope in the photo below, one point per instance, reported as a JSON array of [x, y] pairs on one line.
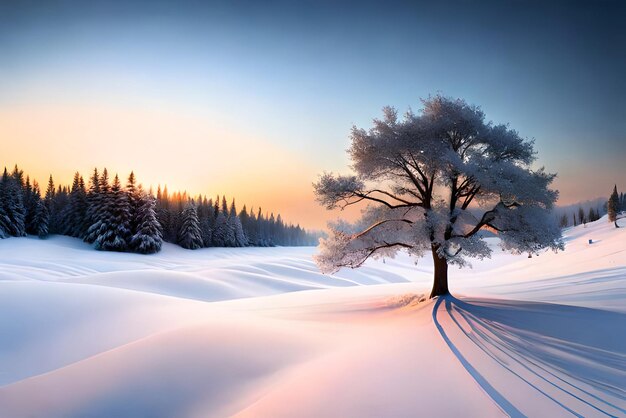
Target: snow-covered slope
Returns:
[[259, 332]]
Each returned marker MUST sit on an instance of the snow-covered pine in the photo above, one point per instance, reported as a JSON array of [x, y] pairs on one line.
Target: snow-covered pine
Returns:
[[262, 230], [174, 217], [134, 194], [60, 204], [148, 237], [93, 197], [49, 201], [206, 232], [219, 232], [13, 207], [76, 209], [240, 236], [230, 239], [114, 231], [41, 219], [246, 224], [206, 219], [5, 221], [236, 227], [420, 174], [271, 230], [163, 212], [30, 205], [17, 190], [97, 210], [189, 235]]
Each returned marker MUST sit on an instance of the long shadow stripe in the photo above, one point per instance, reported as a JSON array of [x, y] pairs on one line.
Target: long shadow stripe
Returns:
[[502, 348], [496, 396]]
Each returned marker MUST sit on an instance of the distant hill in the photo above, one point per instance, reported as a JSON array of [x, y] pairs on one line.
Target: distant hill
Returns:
[[598, 204]]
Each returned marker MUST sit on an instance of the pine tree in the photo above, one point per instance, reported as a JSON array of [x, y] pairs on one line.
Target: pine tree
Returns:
[[30, 206], [224, 206], [262, 239], [41, 219], [272, 230], [592, 215], [49, 201], [189, 235], [60, 205], [114, 232], [13, 212], [240, 236], [17, 193], [613, 205], [230, 239], [5, 221], [581, 216], [204, 210], [163, 212], [245, 220], [99, 195], [74, 217], [148, 237], [280, 237], [134, 200], [218, 234], [93, 197]]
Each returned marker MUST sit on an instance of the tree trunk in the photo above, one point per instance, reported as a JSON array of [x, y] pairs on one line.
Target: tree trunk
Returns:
[[440, 284]]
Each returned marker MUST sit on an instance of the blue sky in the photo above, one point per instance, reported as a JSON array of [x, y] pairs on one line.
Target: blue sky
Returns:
[[295, 76]]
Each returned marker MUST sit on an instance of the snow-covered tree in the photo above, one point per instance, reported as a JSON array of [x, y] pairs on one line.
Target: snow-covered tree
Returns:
[[30, 204], [613, 206], [5, 221], [60, 205], [13, 212], [219, 232], [133, 193], [230, 238], [240, 236], [148, 237], [93, 206], [98, 197], [420, 174], [189, 235], [207, 222], [73, 217], [49, 199], [114, 232], [262, 230], [16, 193], [581, 216], [41, 219]]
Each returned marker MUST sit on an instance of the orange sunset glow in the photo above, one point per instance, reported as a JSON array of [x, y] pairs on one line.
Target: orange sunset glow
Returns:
[[201, 155]]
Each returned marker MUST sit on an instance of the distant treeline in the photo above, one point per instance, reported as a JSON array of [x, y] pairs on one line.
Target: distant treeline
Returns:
[[613, 205], [128, 218]]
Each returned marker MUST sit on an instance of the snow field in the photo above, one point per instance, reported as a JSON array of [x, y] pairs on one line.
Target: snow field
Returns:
[[259, 332]]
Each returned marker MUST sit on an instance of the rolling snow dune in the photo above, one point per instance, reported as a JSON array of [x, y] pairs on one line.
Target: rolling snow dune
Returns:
[[260, 332]]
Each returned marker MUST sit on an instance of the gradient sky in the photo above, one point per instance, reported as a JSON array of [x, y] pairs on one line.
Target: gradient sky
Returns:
[[254, 99]]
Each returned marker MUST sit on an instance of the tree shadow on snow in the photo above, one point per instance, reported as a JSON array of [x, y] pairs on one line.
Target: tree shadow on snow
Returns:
[[574, 356]]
